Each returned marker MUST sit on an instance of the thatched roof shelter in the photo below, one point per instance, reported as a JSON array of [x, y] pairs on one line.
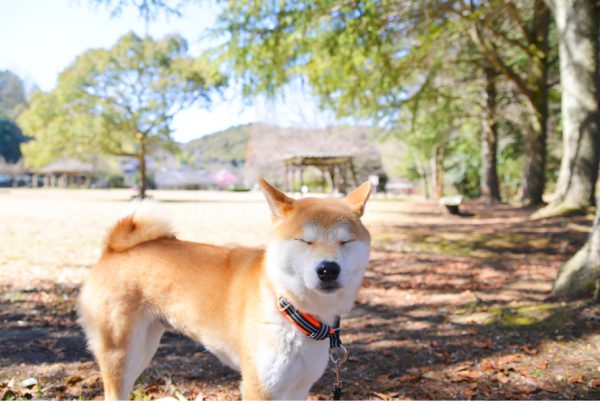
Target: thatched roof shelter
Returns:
[[65, 172], [68, 166], [339, 167]]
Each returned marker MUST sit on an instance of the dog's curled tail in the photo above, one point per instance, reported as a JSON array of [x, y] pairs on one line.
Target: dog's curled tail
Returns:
[[144, 224]]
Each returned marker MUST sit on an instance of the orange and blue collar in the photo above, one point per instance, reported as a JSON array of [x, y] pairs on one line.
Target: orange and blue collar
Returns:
[[309, 325]]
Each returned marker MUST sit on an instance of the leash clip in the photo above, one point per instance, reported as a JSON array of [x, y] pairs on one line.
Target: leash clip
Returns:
[[338, 356]]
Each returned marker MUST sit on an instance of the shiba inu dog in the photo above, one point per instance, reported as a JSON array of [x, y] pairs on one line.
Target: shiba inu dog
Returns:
[[227, 298]]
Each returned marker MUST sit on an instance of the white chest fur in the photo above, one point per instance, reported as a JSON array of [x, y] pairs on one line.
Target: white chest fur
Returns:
[[288, 362]]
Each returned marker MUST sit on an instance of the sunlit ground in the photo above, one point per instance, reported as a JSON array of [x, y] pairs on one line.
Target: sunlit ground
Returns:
[[451, 307]]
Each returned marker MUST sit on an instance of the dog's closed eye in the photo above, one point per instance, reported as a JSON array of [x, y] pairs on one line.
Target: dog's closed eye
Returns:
[[304, 241], [343, 243]]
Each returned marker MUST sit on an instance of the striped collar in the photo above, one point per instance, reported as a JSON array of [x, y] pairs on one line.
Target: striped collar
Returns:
[[309, 325]]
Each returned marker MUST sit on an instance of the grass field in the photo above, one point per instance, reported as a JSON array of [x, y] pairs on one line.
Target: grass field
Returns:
[[451, 307]]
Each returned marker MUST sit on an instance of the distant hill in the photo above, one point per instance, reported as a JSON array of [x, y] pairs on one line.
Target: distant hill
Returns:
[[253, 150], [224, 149]]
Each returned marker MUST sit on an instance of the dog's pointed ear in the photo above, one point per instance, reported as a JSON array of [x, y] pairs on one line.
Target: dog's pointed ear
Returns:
[[358, 198], [279, 203]]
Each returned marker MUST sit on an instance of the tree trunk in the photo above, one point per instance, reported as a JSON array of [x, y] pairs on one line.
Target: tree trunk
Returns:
[[577, 22], [490, 189], [580, 276], [534, 170], [437, 171], [424, 181], [142, 160]]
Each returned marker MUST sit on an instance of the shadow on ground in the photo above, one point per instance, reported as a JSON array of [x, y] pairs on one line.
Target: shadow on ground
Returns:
[[454, 309]]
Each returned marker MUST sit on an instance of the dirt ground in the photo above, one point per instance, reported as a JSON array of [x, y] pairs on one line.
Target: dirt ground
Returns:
[[452, 307]]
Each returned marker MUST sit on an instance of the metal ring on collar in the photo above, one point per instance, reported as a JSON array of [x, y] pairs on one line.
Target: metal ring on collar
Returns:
[[338, 355]]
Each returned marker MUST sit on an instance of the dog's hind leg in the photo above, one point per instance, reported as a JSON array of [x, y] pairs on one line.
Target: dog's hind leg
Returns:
[[122, 356], [143, 344], [122, 336]]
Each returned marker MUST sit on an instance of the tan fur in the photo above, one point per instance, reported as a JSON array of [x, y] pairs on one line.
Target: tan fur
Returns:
[[135, 229], [212, 294]]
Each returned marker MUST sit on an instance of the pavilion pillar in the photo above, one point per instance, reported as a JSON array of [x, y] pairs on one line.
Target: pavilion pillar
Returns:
[[333, 178], [353, 174]]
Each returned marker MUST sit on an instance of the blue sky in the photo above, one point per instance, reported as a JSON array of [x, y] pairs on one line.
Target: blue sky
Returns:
[[39, 38]]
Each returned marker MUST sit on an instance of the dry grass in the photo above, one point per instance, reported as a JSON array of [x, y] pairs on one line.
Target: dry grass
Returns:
[[55, 235]]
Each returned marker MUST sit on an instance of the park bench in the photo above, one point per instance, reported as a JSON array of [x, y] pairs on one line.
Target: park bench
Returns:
[[452, 203]]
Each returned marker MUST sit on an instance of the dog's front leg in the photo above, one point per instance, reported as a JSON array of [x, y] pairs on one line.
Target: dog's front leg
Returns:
[[252, 389]]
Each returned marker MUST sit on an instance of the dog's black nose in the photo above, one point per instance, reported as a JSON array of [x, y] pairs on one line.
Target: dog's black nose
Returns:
[[328, 271]]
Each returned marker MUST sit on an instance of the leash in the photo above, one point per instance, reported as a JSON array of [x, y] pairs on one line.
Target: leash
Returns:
[[319, 331]]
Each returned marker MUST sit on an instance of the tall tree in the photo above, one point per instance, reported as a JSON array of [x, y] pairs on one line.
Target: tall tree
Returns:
[[528, 34], [578, 26], [580, 71], [490, 186], [11, 138], [579, 277], [118, 101]]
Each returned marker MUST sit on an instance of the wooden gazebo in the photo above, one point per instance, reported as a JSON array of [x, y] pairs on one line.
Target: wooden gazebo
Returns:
[[65, 173], [339, 168]]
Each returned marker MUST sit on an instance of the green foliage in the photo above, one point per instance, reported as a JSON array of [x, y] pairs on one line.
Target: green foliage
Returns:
[[11, 137], [510, 158], [463, 164], [392, 63], [119, 101]]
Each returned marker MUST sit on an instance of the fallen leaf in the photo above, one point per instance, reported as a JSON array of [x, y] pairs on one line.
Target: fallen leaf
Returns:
[[543, 364], [151, 389], [528, 389], [483, 343], [529, 351], [487, 365], [432, 375], [501, 378], [466, 375], [382, 378], [594, 383], [471, 374], [74, 380], [382, 396], [504, 362], [463, 366], [576, 379], [398, 381]]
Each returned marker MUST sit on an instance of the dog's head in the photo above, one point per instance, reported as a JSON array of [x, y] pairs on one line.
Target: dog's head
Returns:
[[318, 249]]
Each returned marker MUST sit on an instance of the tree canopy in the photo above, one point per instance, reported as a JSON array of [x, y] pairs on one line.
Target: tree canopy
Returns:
[[119, 101]]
